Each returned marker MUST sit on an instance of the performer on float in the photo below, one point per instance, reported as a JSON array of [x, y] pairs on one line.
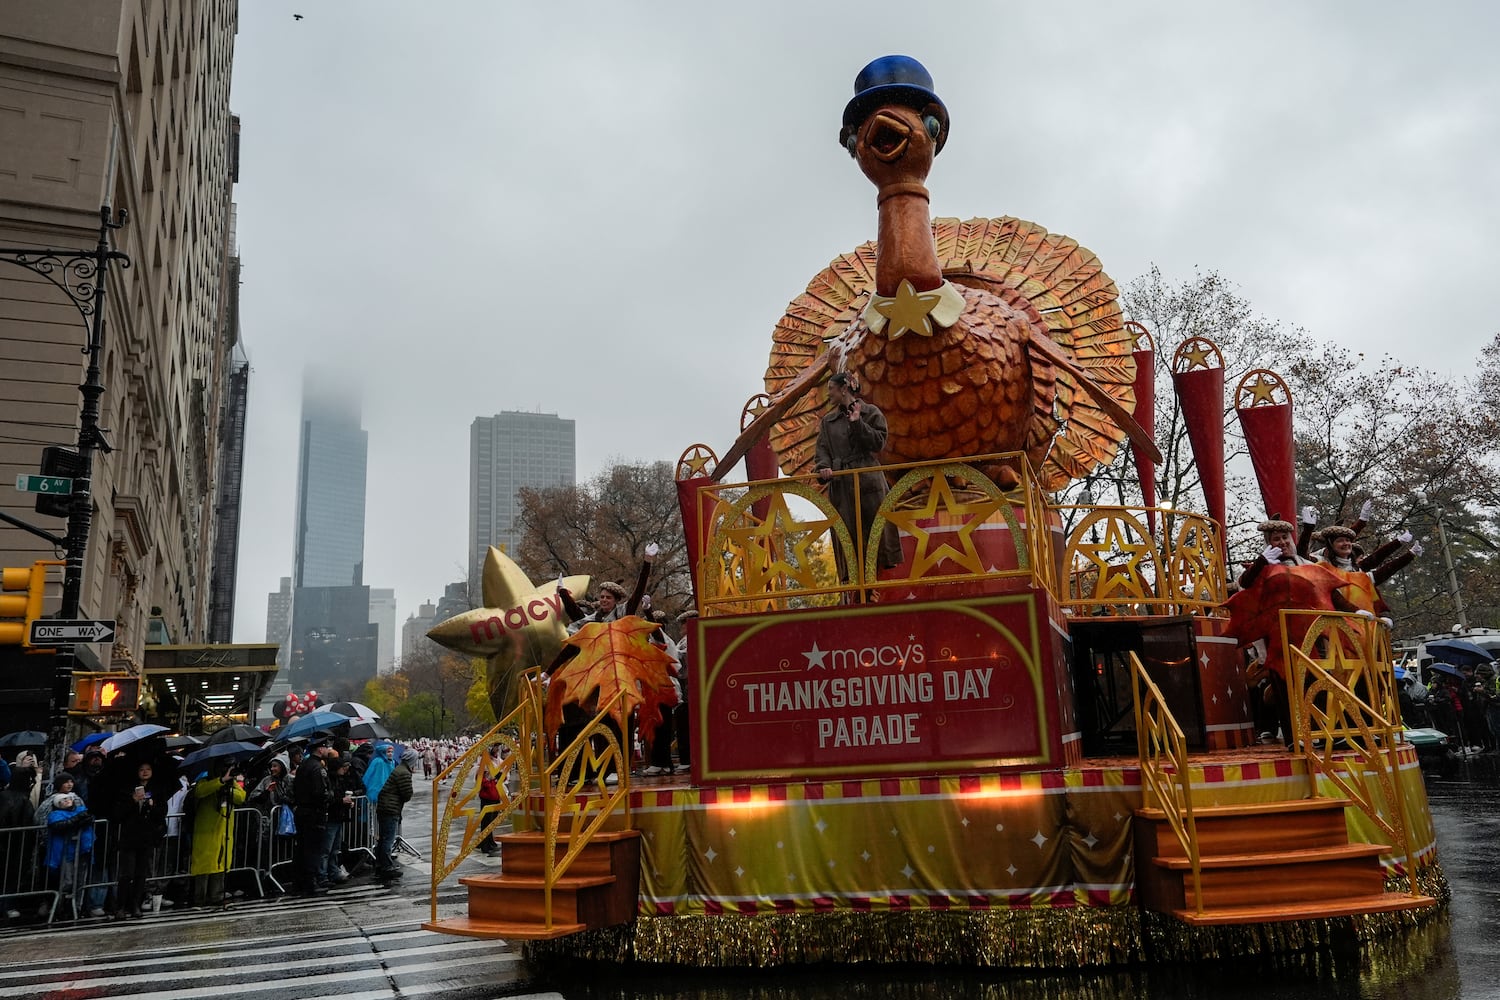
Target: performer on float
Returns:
[[1309, 527], [1342, 554], [851, 436]]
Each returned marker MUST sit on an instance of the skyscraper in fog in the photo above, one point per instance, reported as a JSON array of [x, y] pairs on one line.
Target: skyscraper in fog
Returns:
[[333, 645], [507, 452]]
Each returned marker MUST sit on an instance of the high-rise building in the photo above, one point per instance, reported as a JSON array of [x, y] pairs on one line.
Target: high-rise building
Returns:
[[330, 542], [383, 615], [124, 103], [414, 631], [279, 618], [334, 648], [507, 452]]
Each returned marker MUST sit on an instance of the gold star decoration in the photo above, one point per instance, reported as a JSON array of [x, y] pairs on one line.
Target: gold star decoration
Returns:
[[909, 309], [775, 550], [521, 625], [754, 407], [1119, 580], [1196, 356], [1261, 391], [697, 461], [926, 555]]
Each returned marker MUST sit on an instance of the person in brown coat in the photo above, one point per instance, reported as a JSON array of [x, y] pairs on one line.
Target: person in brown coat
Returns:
[[851, 436]]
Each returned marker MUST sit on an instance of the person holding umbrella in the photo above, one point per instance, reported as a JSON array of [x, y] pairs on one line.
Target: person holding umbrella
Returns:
[[215, 797], [312, 795]]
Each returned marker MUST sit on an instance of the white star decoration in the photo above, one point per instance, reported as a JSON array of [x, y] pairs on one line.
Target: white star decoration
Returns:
[[908, 871], [815, 657], [831, 862], [965, 821], [894, 831], [778, 845], [710, 854], [1012, 870], [931, 849], [820, 826], [1091, 840], [732, 833], [1118, 817], [1039, 839], [740, 872], [865, 855], [1204, 658]]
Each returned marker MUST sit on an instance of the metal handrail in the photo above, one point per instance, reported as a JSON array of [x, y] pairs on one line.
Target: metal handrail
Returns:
[[1166, 777], [535, 785], [1342, 736]]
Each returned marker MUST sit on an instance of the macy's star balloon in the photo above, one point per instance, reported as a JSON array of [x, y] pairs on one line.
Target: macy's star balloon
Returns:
[[520, 626]]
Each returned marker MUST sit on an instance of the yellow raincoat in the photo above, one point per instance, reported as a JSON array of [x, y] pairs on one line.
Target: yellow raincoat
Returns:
[[213, 826]]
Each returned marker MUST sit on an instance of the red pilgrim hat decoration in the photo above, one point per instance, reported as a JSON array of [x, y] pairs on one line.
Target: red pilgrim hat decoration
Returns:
[[1145, 414], [1264, 405], [695, 470], [760, 460], [1198, 377]]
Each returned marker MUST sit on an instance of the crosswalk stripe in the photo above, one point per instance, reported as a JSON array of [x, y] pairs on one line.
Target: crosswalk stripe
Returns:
[[248, 987]]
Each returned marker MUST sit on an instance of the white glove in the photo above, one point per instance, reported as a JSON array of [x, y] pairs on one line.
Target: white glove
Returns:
[[1365, 614], [1404, 537], [1271, 554], [1388, 623], [1416, 548], [1309, 515], [1366, 509], [646, 603], [651, 550]]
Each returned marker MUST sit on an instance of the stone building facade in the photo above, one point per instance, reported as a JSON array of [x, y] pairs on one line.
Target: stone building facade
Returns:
[[123, 103]]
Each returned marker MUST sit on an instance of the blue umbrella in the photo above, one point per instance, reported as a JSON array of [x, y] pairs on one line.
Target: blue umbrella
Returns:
[[309, 724], [1445, 668], [90, 740], [1459, 651], [233, 750]]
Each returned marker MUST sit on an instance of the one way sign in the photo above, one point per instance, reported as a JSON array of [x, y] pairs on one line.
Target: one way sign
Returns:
[[49, 632]]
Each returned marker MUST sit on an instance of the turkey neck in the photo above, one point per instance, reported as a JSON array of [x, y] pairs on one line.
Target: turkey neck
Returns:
[[906, 250]]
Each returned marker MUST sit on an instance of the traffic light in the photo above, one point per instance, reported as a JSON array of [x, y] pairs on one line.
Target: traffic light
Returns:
[[26, 606], [106, 694]]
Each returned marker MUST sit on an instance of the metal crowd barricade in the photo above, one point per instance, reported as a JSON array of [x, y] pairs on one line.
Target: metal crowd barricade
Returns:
[[281, 847], [360, 831], [23, 870]]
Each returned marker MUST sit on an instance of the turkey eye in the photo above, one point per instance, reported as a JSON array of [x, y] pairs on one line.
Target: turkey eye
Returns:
[[933, 125], [850, 143]]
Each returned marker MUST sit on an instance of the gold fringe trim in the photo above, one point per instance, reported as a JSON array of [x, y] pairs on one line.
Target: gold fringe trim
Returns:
[[1382, 946]]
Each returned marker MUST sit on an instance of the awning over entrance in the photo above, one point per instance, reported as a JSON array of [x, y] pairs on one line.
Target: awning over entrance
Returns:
[[197, 688]]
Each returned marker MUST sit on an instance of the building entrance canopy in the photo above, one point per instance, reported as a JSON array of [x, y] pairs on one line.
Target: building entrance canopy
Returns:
[[197, 688]]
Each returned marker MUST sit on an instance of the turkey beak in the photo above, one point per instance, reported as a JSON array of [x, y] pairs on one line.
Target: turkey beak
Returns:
[[886, 136]]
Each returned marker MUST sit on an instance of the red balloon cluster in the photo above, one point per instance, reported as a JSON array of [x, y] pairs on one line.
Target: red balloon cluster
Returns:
[[299, 704]]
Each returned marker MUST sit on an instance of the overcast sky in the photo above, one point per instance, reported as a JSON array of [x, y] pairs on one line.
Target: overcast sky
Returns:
[[600, 210]]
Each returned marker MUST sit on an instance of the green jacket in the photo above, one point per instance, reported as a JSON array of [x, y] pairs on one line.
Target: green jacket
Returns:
[[395, 793]]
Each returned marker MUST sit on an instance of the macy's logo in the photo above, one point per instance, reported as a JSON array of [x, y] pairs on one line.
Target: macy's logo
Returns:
[[854, 658]]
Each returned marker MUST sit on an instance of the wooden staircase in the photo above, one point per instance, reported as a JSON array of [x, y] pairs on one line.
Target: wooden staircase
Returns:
[[1261, 863], [599, 889]]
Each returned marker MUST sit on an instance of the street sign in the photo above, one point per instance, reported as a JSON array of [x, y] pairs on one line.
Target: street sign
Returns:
[[51, 632], [44, 484]]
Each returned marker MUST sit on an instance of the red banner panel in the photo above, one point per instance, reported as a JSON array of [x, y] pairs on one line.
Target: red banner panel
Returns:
[[877, 690]]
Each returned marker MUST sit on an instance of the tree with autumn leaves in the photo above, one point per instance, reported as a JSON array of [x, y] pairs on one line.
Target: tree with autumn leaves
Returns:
[[432, 693]]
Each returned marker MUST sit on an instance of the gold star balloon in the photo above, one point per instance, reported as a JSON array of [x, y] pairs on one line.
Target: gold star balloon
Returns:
[[521, 625]]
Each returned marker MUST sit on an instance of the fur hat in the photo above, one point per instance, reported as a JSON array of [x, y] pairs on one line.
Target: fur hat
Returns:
[[1334, 532], [610, 587], [1274, 524]]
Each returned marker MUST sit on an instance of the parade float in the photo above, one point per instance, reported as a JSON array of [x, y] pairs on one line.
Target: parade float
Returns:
[[1030, 741]]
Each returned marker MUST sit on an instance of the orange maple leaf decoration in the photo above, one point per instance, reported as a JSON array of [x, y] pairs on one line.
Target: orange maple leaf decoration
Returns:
[[614, 656]]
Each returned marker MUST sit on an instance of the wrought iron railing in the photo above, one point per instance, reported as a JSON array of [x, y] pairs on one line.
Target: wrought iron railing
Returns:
[[1166, 778], [536, 789], [1346, 717]]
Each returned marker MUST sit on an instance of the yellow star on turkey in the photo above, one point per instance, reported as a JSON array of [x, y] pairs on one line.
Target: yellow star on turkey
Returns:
[[926, 556], [908, 309], [521, 625]]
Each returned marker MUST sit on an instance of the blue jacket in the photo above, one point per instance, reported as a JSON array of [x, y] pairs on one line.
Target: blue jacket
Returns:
[[65, 834]]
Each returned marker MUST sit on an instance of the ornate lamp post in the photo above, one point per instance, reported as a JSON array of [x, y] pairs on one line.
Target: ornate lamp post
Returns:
[[81, 275]]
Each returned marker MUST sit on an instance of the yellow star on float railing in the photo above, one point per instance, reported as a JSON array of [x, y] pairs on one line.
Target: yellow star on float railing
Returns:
[[1118, 579], [909, 309], [1196, 356], [765, 547], [924, 557], [694, 462]]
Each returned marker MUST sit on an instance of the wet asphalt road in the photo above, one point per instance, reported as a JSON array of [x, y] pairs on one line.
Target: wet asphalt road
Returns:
[[363, 943]]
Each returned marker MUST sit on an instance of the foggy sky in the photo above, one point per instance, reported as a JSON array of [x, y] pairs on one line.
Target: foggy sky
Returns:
[[601, 210]]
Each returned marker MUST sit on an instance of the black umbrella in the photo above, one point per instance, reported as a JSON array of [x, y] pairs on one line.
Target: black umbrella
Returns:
[[28, 739], [233, 750], [237, 733], [182, 742], [1459, 651], [368, 729]]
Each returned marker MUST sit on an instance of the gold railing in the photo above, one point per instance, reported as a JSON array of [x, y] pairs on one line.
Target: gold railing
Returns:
[[1166, 780], [764, 540], [538, 791], [1348, 739], [1116, 567]]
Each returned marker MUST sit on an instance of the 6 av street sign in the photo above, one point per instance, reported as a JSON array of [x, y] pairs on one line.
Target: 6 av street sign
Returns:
[[49, 632], [44, 484]]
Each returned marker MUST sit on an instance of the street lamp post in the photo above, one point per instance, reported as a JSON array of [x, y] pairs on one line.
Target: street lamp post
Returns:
[[81, 275]]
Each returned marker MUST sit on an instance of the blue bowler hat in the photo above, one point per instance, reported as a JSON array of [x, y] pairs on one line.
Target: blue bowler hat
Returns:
[[893, 80]]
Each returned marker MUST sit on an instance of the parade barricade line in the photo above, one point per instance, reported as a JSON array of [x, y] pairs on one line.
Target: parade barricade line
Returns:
[[281, 848], [360, 832], [96, 873], [22, 869]]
